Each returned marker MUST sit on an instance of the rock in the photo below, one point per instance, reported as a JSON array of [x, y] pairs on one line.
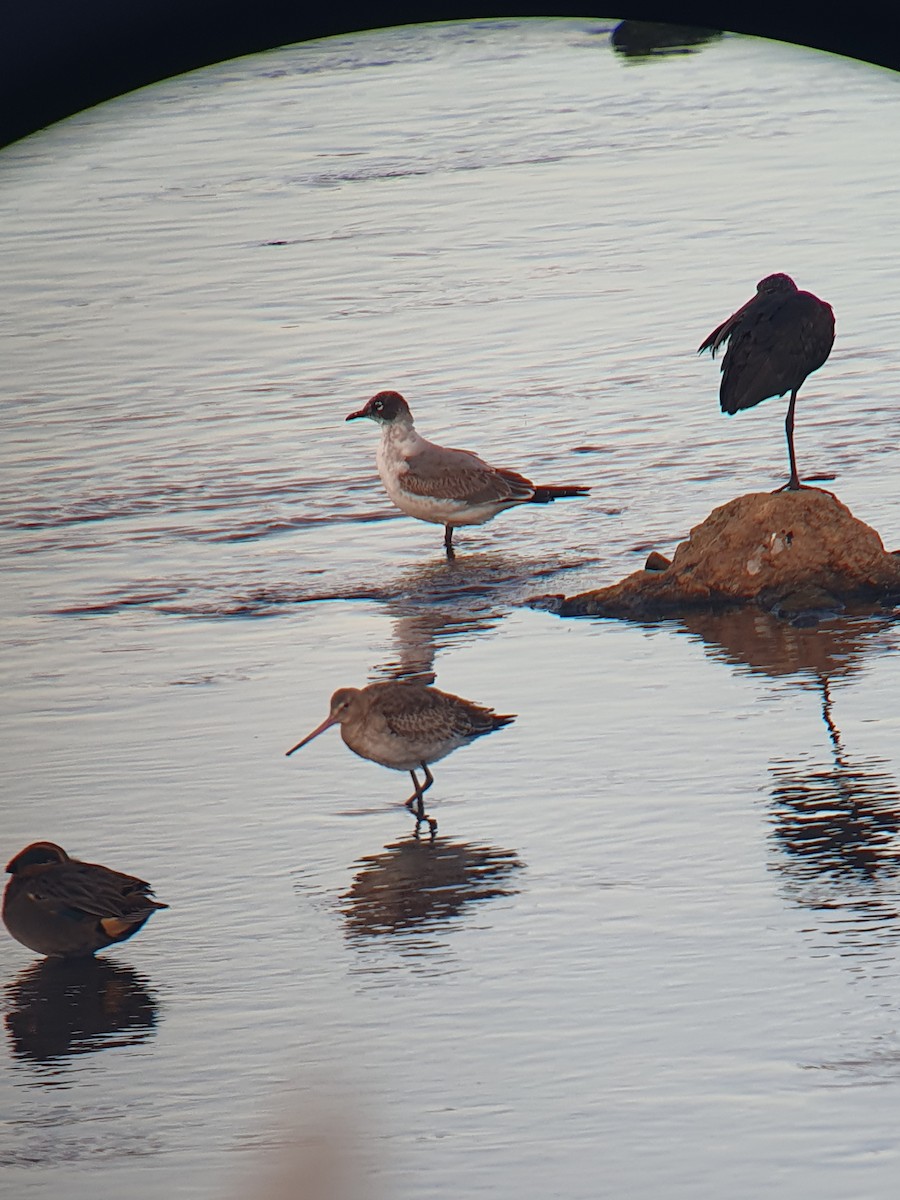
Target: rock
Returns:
[[657, 562], [788, 552]]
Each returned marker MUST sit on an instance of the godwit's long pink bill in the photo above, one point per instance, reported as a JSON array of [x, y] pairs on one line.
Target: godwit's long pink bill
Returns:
[[326, 724]]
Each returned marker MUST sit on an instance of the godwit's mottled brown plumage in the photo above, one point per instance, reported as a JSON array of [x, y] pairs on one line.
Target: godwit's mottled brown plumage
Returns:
[[406, 726], [444, 486], [64, 908], [774, 341]]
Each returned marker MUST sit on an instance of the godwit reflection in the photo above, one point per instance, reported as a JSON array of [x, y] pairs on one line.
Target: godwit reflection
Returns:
[[57, 1008], [415, 887]]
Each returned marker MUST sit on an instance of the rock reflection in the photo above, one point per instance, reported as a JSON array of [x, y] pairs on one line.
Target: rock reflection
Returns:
[[772, 646], [414, 887], [57, 1008]]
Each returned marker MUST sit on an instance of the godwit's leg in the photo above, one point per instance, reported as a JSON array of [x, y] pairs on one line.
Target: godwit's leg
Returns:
[[415, 803], [417, 799], [448, 541], [793, 484]]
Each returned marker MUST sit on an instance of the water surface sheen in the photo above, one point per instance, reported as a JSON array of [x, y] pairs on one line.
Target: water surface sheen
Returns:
[[653, 950]]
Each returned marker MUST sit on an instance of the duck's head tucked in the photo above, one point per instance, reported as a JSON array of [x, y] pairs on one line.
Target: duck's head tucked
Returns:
[[38, 854], [773, 284], [385, 408]]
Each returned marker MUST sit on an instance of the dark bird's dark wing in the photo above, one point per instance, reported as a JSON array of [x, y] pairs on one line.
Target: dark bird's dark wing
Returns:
[[724, 331], [774, 342]]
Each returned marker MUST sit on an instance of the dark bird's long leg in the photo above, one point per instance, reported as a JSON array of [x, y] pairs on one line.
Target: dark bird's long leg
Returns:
[[448, 541], [793, 484], [417, 799]]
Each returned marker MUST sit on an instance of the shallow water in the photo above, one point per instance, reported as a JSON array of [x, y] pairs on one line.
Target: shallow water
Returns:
[[654, 947]]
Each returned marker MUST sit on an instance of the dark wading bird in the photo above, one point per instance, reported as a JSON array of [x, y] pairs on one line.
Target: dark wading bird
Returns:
[[406, 726], [774, 341], [64, 908], [444, 486]]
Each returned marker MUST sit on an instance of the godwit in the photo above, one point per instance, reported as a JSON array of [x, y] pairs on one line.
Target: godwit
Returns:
[[406, 726], [64, 908], [446, 487], [774, 341]]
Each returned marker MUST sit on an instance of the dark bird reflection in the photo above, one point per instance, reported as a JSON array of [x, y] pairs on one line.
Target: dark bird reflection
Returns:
[[56, 1008], [646, 39], [416, 886], [835, 818], [836, 826]]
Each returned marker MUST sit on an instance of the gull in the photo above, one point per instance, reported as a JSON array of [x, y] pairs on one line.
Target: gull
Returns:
[[444, 486]]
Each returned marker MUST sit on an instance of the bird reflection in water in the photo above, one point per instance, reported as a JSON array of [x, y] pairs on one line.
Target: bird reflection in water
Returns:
[[836, 825], [835, 822], [414, 887], [419, 631], [57, 1008], [438, 603]]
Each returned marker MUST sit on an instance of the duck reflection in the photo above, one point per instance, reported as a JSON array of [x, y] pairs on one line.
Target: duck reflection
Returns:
[[416, 886], [60, 1007]]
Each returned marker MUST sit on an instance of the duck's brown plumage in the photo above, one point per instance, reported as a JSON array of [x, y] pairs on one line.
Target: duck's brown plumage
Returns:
[[65, 908]]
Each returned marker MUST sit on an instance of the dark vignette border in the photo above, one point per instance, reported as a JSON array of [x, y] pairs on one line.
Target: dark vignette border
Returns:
[[58, 57]]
